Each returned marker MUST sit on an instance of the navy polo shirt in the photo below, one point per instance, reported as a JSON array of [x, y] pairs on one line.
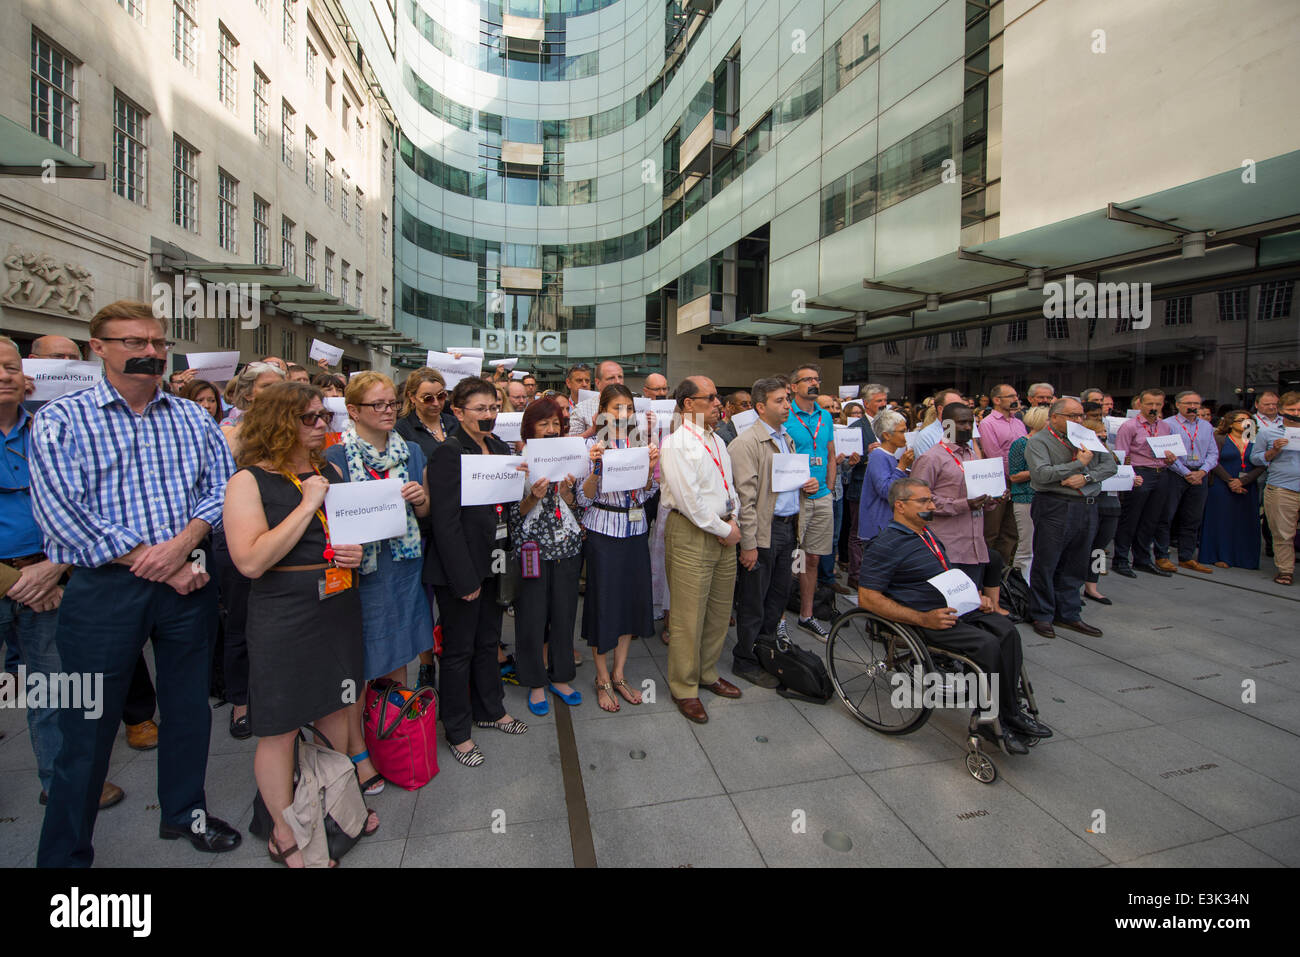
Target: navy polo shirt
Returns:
[[899, 564], [19, 535]]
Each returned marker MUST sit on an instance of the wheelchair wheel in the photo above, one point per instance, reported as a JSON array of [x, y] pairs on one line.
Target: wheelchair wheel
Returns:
[[981, 767], [869, 659]]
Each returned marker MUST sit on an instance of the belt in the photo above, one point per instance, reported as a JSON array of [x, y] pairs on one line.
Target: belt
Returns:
[[298, 568], [788, 519], [24, 560], [610, 508]]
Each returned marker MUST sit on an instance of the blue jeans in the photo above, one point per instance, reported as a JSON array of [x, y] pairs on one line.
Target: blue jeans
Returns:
[[31, 633], [826, 565]]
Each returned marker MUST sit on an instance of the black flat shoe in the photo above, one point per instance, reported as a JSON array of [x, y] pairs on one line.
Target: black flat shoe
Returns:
[[239, 727], [217, 836], [1026, 724], [1124, 570], [1100, 599]]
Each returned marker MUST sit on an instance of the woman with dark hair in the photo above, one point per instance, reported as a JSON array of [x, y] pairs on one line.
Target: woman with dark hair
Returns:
[[205, 394], [459, 567], [543, 527], [304, 623], [1230, 530], [330, 385], [618, 602]]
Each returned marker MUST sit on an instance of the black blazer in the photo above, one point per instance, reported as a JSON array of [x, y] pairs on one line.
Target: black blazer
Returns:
[[460, 547]]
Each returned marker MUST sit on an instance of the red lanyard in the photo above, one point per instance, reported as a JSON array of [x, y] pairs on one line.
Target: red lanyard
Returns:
[[954, 458], [812, 433], [928, 540], [329, 549], [1242, 449], [1192, 434], [716, 460], [1065, 443], [375, 475], [1149, 431]]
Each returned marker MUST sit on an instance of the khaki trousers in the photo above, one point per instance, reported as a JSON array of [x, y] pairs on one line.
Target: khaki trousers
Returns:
[[1282, 508], [701, 583], [1000, 531]]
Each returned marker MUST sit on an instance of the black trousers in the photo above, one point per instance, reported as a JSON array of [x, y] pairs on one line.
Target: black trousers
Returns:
[[546, 610], [469, 679], [987, 575], [1107, 522], [993, 643], [764, 589], [1138, 517], [1182, 508], [233, 588], [106, 616], [141, 698], [1063, 533]]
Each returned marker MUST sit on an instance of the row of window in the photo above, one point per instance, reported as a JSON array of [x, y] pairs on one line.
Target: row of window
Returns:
[[547, 188], [494, 53], [541, 312]]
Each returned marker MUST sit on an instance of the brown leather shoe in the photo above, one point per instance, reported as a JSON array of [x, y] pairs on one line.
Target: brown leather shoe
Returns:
[[724, 689], [843, 589], [1045, 629], [1165, 565], [692, 709], [1196, 567], [142, 736], [1079, 625], [112, 794]]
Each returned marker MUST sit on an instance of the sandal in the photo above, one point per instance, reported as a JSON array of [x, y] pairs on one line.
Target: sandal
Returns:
[[372, 785], [471, 758], [513, 726], [626, 691], [370, 816], [607, 689], [1282, 578], [281, 855]]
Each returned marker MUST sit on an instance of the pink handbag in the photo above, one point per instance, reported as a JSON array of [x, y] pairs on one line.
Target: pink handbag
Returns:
[[401, 732]]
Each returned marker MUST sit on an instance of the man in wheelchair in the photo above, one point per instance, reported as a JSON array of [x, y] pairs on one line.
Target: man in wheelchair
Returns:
[[895, 583]]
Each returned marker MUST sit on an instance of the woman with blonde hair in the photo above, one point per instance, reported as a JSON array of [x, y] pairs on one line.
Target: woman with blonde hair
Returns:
[[241, 391], [1022, 493]]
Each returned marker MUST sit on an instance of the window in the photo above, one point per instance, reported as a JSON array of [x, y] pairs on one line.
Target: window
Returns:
[[290, 23], [329, 180], [183, 326], [1234, 304], [310, 174], [1175, 375], [185, 32], [359, 288], [986, 336], [262, 339], [361, 138], [309, 254], [957, 340], [288, 253], [1123, 324], [931, 343], [227, 71], [329, 91], [133, 7], [54, 94], [1178, 312], [383, 233], [1119, 378], [891, 348], [361, 199], [288, 135], [1018, 331], [288, 344], [128, 149], [185, 185], [1057, 327], [1275, 300], [227, 332], [227, 212], [344, 200], [312, 56], [347, 108], [261, 119], [329, 270], [343, 280], [261, 230], [383, 162]]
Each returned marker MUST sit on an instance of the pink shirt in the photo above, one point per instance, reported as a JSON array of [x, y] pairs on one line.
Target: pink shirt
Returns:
[[997, 432], [954, 524], [1131, 439]]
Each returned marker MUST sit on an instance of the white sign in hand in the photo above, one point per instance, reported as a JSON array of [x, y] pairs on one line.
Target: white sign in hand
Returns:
[[361, 512], [624, 470], [958, 590], [849, 391], [1113, 422], [1292, 438], [790, 470], [453, 369], [743, 420], [507, 427], [507, 364], [1121, 481], [519, 374], [985, 477], [491, 479], [56, 377], [1166, 443], [556, 459], [323, 350], [339, 406], [1083, 438], [585, 394], [213, 366], [848, 441]]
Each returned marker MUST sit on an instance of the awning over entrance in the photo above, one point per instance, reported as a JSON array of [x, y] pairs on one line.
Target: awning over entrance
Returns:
[[23, 153], [1239, 221]]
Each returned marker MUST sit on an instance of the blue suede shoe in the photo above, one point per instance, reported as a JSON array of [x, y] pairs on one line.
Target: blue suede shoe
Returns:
[[569, 699], [540, 708]]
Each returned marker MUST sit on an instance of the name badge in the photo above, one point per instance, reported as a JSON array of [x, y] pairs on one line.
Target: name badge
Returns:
[[636, 514], [335, 580], [502, 531], [815, 460]]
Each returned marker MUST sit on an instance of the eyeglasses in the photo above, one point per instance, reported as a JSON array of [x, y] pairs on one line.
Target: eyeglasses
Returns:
[[311, 418], [809, 378], [483, 409], [920, 498], [1078, 416], [706, 398], [432, 397], [387, 406], [132, 344]]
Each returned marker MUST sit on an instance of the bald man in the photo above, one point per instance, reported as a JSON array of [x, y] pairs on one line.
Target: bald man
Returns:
[[655, 387], [55, 347]]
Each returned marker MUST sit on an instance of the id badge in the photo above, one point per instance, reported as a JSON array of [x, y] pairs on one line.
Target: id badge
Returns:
[[815, 461], [636, 514], [502, 531], [335, 580]]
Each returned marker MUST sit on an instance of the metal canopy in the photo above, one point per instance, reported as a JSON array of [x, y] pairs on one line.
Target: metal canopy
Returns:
[[23, 153]]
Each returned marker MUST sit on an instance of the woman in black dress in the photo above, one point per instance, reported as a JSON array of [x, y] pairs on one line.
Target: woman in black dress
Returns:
[[304, 609]]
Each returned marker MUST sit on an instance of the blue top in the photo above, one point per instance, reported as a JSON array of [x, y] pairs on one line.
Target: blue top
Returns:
[[1202, 446], [787, 503], [1284, 470], [105, 479], [803, 427], [899, 565], [874, 511], [19, 535]]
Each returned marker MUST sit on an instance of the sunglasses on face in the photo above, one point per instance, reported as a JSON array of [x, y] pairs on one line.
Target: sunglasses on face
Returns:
[[432, 397], [309, 419]]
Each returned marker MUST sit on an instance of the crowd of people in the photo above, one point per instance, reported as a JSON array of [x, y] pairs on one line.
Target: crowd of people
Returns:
[[194, 516]]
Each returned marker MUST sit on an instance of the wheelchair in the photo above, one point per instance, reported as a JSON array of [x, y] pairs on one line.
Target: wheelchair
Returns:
[[869, 658]]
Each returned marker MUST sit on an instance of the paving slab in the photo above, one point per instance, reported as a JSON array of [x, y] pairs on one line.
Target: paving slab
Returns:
[[536, 844], [1226, 851], [868, 750], [702, 832], [1279, 840]]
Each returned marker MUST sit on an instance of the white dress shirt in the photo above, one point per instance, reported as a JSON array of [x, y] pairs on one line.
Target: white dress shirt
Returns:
[[692, 483]]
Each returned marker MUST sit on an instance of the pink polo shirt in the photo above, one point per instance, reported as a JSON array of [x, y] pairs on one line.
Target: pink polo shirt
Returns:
[[997, 432]]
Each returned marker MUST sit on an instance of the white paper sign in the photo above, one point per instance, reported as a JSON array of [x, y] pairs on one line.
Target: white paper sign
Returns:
[[556, 459], [848, 441], [56, 377], [339, 406], [508, 364], [910, 438], [1121, 481], [852, 420], [974, 430], [323, 350], [624, 470], [743, 420], [507, 427], [849, 391], [790, 471], [585, 394], [1160, 443], [985, 477], [1083, 438], [641, 404], [663, 408], [519, 374], [1121, 455], [1113, 422], [214, 366], [453, 369], [490, 479], [465, 351], [1292, 437], [1132, 413], [958, 590], [361, 512]]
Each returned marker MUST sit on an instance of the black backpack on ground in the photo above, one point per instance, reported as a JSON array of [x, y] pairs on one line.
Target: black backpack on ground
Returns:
[[801, 673], [823, 602], [1014, 596]]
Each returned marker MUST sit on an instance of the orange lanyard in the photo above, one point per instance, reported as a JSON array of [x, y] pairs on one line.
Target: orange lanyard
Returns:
[[320, 513]]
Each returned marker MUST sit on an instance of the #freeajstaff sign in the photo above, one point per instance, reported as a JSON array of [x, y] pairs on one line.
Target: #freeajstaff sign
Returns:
[[958, 590], [361, 512], [848, 441], [56, 377], [491, 479], [985, 477]]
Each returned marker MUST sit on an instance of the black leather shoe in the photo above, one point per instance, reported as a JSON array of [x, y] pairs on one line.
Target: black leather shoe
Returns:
[[216, 836], [1045, 629], [1124, 570], [1081, 626], [1013, 742], [239, 727], [1025, 723], [1100, 599], [1152, 570]]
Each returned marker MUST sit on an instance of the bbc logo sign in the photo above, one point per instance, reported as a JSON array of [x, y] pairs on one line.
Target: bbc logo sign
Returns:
[[506, 342]]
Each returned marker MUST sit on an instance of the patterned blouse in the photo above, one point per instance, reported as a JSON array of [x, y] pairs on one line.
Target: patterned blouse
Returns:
[[1022, 492], [556, 537]]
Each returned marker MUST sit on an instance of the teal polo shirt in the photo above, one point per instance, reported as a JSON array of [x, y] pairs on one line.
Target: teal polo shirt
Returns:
[[812, 433]]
